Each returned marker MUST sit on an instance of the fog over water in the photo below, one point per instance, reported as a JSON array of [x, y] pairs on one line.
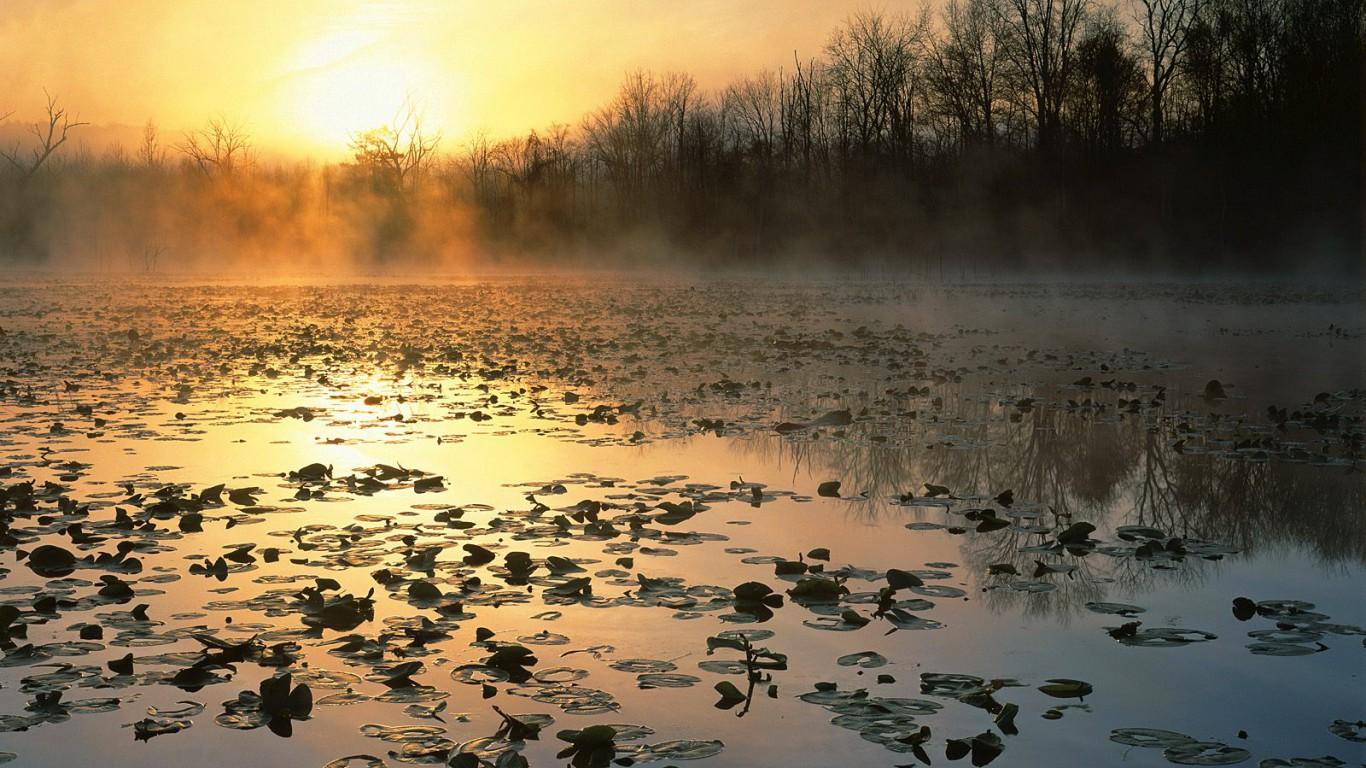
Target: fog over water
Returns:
[[676, 439]]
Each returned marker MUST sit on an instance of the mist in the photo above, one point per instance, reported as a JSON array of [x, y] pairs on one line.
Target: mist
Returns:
[[1221, 136]]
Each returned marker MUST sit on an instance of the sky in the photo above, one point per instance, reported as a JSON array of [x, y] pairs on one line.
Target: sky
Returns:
[[303, 75]]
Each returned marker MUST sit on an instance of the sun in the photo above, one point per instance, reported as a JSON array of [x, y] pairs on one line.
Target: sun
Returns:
[[346, 99], [345, 82]]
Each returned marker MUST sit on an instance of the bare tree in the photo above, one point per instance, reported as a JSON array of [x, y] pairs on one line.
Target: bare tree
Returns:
[[150, 152], [965, 67], [871, 61], [1106, 102], [629, 138], [477, 162], [151, 257], [757, 104], [116, 156], [804, 114], [1043, 37], [49, 136], [219, 149], [1257, 34], [1165, 26], [399, 154], [522, 160], [1205, 67]]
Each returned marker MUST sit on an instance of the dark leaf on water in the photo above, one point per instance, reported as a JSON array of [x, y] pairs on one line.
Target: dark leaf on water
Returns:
[[51, 561], [424, 590], [123, 666], [899, 579], [149, 727], [730, 695], [477, 555], [1005, 719], [1063, 688], [984, 748], [1205, 753], [592, 747], [1349, 730], [1077, 533], [989, 524], [817, 590]]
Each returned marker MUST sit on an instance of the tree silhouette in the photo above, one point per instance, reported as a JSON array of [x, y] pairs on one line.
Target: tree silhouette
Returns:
[[219, 150], [398, 155], [49, 136]]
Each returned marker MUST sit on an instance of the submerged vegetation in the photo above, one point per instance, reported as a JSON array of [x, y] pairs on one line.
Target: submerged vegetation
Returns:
[[496, 524], [975, 136]]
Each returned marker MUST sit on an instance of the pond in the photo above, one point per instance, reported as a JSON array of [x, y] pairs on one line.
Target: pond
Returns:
[[597, 520]]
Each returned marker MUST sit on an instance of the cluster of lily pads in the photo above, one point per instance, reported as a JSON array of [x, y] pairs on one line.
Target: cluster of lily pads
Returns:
[[397, 609], [406, 559]]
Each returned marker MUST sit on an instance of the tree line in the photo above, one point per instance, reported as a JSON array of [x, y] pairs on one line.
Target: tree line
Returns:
[[980, 134]]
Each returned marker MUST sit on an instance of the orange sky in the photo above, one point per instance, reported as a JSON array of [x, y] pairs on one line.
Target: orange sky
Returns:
[[304, 74]]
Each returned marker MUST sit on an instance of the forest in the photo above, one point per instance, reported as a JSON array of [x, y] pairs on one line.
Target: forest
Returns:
[[961, 140]]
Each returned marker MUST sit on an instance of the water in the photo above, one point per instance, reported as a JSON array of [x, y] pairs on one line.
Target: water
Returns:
[[532, 398]]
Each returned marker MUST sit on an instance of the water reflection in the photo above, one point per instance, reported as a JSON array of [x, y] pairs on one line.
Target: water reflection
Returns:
[[590, 415], [1115, 472]]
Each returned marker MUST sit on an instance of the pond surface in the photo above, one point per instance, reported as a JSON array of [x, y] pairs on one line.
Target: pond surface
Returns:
[[741, 523]]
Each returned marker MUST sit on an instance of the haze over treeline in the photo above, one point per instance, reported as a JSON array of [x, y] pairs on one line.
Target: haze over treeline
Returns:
[[972, 136]]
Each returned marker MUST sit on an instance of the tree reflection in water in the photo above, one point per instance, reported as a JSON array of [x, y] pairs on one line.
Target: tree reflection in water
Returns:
[[1110, 472]]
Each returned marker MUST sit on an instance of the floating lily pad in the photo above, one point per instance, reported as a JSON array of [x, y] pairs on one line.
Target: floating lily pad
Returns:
[[1149, 737], [864, 659], [666, 680], [679, 749], [1167, 637], [1062, 688], [1115, 609], [1205, 753], [1349, 730]]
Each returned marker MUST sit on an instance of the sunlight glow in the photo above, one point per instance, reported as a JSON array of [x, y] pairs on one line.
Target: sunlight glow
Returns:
[[349, 81]]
